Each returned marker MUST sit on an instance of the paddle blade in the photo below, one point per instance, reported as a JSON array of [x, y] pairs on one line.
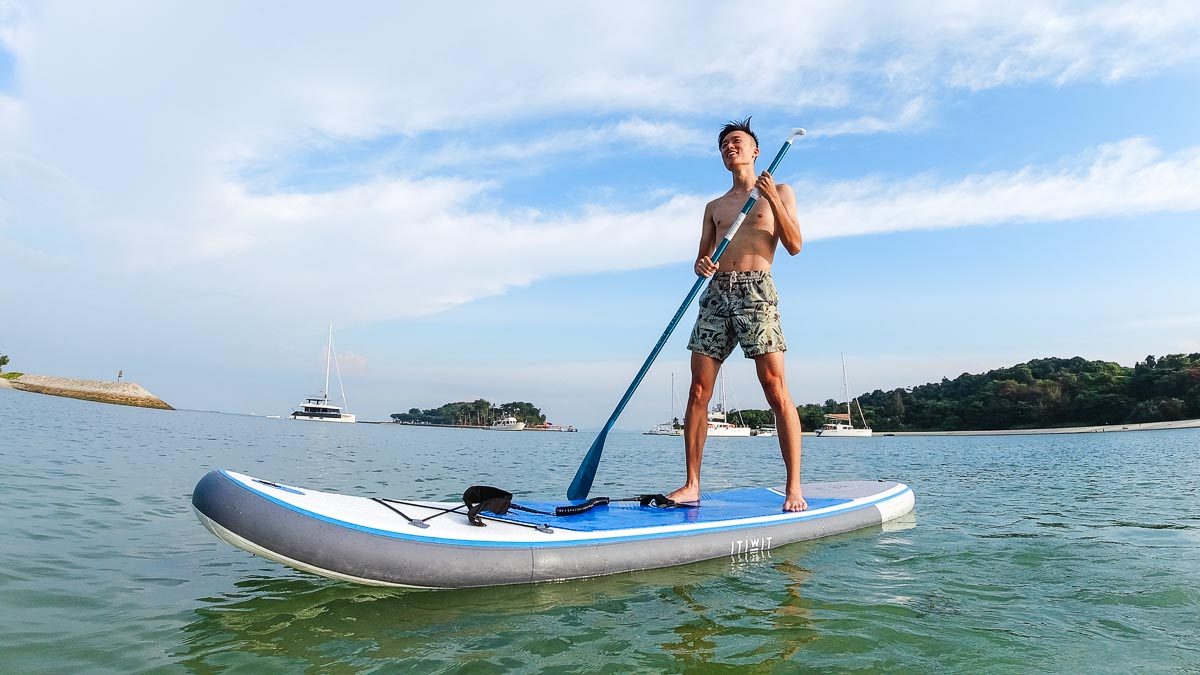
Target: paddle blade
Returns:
[[587, 468]]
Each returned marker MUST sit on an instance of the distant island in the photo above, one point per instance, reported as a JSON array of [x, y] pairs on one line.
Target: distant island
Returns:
[[1040, 394], [478, 413]]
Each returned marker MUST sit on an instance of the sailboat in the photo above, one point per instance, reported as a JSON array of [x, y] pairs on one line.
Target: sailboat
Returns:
[[768, 429], [840, 425], [667, 428], [718, 425], [318, 408]]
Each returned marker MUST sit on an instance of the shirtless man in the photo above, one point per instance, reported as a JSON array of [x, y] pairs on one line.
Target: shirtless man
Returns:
[[740, 305]]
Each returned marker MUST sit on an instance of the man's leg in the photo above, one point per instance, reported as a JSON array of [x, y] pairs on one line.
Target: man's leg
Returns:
[[695, 423], [774, 383]]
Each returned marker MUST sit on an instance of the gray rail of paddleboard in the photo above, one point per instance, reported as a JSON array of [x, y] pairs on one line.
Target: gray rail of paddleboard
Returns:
[[396, 560]]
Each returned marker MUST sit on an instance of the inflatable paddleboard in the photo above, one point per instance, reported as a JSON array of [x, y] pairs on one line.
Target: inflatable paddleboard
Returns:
[[389, 542]]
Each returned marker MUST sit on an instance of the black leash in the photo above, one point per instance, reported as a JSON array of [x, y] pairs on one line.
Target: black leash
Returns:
[[487, 499], [480, 498], [411, 521]]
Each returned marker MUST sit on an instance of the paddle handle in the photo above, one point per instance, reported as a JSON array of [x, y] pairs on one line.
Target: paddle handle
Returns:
[[582, 483]]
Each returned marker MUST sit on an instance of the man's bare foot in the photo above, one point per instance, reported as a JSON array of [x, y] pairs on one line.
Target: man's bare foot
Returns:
[[794, 503], [685, 495]]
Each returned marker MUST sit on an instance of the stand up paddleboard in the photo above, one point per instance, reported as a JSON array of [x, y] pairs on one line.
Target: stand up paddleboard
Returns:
[[387, 542]]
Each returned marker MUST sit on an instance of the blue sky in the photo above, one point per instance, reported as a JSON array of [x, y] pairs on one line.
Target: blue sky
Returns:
[[504, 201]]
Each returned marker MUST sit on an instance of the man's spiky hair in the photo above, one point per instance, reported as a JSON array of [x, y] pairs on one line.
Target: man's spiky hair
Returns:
[[735, 125]]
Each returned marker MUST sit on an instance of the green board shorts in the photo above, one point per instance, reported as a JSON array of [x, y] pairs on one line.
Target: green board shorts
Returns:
[[738, 307]]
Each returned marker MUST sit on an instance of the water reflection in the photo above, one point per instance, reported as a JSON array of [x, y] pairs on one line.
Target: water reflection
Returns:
[[697, 614], [104, 568]]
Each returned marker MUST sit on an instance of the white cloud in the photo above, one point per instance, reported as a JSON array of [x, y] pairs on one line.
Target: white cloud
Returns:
[[290, 250], [139, 117], [12, 120], [394, 248], [351, 363], [1120, 179], [1064, 42], [283, 70], [660, 137], [126, 136], [907, 117]]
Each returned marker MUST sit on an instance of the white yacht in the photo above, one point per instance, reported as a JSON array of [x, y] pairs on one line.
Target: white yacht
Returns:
[[507, 424], [719, 426], [672, 428], [841, 425], [767, 429], [318, 408], [664, 429], [838, 425]]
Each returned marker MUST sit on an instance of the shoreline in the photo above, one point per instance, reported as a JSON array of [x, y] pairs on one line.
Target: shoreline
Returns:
[[116, 393], [552, 427], [1105, 428]]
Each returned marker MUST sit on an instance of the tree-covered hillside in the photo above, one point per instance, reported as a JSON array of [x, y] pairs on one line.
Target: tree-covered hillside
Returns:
[[477, 413], [1042, 393]]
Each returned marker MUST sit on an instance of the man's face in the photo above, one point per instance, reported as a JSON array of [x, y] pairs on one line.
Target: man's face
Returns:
[[738, 148]]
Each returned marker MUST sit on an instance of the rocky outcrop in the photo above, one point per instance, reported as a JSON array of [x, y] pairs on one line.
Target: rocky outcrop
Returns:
[[120, 393]]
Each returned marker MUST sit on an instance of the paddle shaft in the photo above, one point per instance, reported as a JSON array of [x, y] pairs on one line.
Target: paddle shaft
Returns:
[[582, 484]]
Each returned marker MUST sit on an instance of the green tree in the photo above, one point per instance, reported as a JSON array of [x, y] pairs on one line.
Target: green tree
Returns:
[[812, 416], [1049, 392], [524, 412], [755, 419], [474, 413], [3, 362], [1172, 409], [895, 404]]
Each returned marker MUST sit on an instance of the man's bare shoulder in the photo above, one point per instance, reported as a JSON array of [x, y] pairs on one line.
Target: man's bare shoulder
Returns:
[[740, 197], [732, 196], [786, 192], [714, 203], [716, 206]]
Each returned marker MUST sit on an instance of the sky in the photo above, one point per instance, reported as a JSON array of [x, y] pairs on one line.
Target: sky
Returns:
[[503, 200]]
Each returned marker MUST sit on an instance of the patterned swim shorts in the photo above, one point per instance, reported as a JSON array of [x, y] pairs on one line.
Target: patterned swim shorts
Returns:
[[738, 307]]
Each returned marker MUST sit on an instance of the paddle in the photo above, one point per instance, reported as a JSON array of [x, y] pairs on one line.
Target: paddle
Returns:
[[582, 484]]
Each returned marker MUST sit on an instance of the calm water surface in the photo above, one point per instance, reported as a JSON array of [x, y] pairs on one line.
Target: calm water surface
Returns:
[[1025, 554]]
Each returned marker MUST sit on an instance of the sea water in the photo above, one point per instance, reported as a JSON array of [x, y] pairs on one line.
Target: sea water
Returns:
[[1076, 553]]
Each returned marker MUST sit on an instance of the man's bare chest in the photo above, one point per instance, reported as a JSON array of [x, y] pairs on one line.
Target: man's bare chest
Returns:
[[726, 211]]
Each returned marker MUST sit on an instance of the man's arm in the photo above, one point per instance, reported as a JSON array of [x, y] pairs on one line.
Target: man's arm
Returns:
[[704, 266], [783, 205]]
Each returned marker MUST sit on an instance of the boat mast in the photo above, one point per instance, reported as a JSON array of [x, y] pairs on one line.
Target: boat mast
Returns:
[[724, 412], [328, 358], [846, 390], [337, 366]]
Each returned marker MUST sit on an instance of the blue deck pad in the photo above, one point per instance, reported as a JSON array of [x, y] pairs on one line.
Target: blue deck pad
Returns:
[[729, 505]]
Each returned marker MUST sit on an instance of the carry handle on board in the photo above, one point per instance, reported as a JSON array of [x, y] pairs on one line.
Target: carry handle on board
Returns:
[[582, 484]]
